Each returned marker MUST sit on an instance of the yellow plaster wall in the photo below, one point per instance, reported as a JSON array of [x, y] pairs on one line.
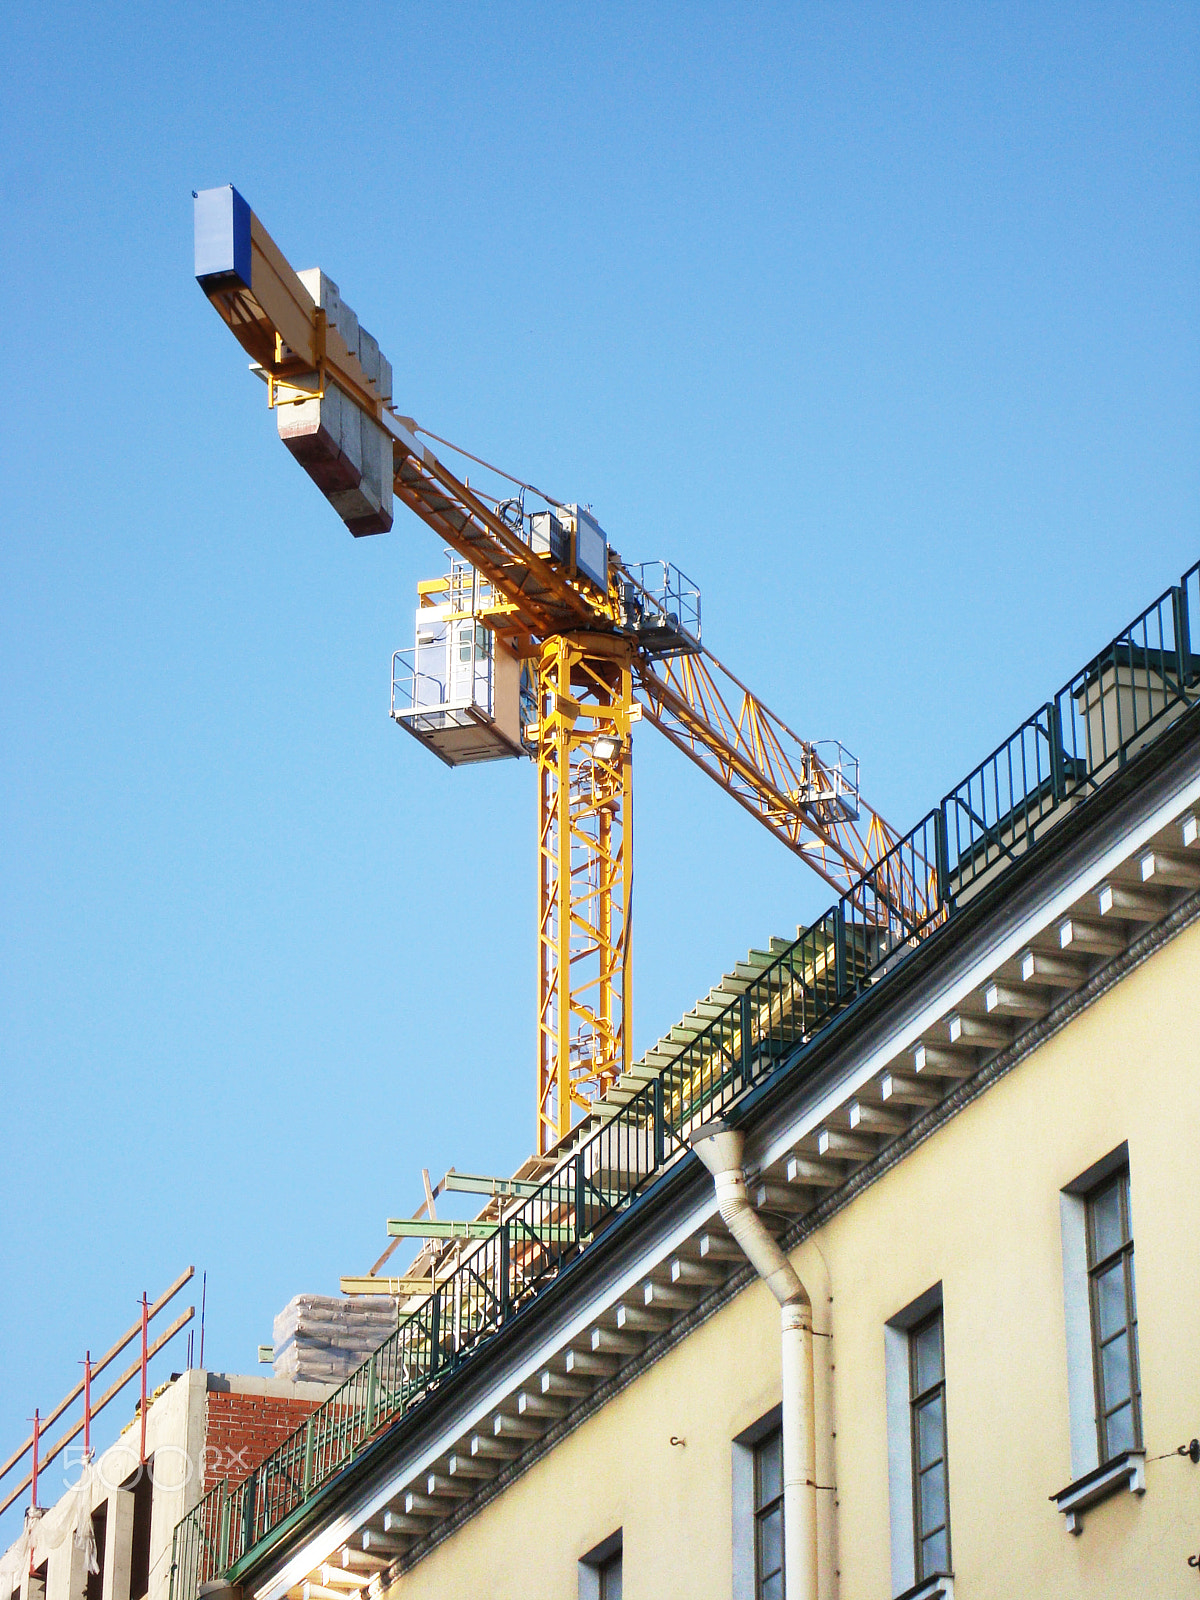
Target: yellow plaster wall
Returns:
[[976, 1208]]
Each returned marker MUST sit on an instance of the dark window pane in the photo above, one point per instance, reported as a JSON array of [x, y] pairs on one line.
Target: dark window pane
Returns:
[[933, 1496], [95, 1580], [1108, 1232], [770, 1470], [928, 1413], [930, 1436], [610, 1579], [1110, 1300], [934, 1555], [770, 1541], [772, 1587], [142, 1484], [1120, 1430], [927, 1356], [1114, 1368], [1114, 1317]]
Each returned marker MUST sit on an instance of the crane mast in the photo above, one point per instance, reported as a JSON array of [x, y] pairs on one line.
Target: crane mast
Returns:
[[541, 642]]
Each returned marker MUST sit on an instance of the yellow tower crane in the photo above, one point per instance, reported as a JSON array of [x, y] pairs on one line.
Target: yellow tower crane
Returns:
[[540, 642]]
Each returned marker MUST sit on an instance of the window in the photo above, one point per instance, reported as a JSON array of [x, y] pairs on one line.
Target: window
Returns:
[[768, 1518], [600, 1570], [757, 1506], [927, 1427], [1100, 1322], [141, 1483], [610, 1578], [918, 1486], [1113, 1303]]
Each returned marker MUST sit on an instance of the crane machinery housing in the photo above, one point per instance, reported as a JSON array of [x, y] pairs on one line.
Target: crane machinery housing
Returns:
[[540, 642]]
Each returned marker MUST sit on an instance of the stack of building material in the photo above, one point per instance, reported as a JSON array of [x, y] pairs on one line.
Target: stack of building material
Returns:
[[323, 1338], [346, 453]]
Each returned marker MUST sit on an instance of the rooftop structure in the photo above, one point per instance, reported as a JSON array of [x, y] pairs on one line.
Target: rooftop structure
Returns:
[[109, 1534]]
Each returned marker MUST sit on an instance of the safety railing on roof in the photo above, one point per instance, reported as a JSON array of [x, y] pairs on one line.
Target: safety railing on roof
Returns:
[[1060, 755], [1074, 742], [1138, 679]]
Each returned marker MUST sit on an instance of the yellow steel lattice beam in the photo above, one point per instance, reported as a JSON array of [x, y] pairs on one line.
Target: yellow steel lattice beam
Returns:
[[585, 696]]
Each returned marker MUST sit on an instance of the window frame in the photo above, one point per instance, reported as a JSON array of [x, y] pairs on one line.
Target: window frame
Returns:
[[918, 1401], [742, 1498], [1099, 1267], [897, 1390], [597, 1566], [764, 1509]]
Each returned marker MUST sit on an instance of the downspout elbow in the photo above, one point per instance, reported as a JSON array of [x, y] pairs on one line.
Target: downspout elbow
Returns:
[[720, 1148]]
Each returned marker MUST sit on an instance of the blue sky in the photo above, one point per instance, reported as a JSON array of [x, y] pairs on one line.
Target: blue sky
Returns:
[[880, 321]]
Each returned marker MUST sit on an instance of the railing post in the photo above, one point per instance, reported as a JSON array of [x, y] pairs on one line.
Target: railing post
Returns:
[[941, 846], [435, 1334], [1058, 772], [248, 1512], [839, 947], [745, 1018], [1179, 607], [306, 1480], [580, 1181], [502, 1254], [660, 1142], [369, 1423], [223, 1528]]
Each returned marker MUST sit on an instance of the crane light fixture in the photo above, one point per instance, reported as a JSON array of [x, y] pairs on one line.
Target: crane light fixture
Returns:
[[605, 746]]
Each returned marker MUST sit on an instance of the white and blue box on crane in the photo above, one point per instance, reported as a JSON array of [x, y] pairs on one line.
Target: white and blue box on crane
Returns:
[[221, 220]]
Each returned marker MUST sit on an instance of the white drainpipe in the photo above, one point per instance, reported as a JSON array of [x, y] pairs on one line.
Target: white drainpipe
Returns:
[[720, 1149]]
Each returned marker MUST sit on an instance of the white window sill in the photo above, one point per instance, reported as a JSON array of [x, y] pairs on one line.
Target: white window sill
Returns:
[[1124, 1472], [939, 1588]]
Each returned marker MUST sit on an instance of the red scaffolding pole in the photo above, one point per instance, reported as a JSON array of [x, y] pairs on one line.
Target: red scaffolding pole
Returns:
[[87, 1405], [145, 1357]]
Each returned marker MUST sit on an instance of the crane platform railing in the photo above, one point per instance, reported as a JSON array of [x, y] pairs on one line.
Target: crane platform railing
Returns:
[[661, 606], [1123, 698]]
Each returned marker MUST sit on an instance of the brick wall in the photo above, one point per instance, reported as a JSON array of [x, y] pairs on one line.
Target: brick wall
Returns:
[[241, 1430]]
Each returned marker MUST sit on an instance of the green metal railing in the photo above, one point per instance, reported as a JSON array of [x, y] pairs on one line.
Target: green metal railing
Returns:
[[1074, 742], [1061, 754]]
